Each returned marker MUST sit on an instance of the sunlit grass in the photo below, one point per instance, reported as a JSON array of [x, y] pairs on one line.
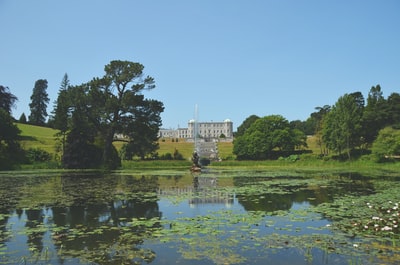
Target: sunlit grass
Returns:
[[182, 146], [314, 166], [37, 137]]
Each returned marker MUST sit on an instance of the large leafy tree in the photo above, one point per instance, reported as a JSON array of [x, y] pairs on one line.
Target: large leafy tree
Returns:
[[342, 126], [39, 101], [120, 91], [113, 105], [266, 135]]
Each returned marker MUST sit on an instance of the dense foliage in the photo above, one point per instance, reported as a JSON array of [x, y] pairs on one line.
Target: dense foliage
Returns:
[[39, 101], [387, 144], [267, 135], [245, 125], [342, 127], [350, 126], [95, 114], [10, 150]]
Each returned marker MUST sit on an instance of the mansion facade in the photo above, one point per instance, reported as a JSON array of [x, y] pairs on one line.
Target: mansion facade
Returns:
[[203, 130]]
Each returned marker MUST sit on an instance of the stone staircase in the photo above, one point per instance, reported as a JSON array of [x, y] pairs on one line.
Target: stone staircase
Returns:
[[207, 149]]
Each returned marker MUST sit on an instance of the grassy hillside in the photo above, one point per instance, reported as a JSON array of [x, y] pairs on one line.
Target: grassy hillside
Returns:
[[37, 137], [183, 147]]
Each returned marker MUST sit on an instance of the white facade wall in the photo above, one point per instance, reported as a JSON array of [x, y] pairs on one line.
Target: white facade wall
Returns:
[[168, 133], [209, 130]]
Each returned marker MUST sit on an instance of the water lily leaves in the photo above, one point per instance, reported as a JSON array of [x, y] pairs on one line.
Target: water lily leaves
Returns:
[[238, 218]]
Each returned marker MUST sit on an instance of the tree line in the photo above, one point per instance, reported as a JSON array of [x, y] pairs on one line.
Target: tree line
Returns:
[[350, 127], [91, 116]]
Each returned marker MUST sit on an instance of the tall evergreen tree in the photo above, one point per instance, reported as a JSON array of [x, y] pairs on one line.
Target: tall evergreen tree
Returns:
[[61, 113], [39, 101], [22, 118]]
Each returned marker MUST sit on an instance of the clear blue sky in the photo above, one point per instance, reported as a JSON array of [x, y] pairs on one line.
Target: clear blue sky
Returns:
[[231, 58]]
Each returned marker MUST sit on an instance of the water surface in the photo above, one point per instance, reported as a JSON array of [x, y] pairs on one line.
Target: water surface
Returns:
[[241, 218]]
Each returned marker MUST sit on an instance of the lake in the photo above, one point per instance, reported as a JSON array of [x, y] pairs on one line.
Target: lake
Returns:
[[243, 217]]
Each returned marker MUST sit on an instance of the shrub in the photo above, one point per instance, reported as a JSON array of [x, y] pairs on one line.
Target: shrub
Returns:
[[387, 144], [37, 155], [166, 156]]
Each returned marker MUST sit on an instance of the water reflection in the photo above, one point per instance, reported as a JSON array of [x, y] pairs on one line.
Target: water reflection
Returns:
[[34, 221], [103, 219], [206, 192], [275, 194]]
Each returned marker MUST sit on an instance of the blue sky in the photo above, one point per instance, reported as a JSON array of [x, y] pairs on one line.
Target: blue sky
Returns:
[[232, 59]]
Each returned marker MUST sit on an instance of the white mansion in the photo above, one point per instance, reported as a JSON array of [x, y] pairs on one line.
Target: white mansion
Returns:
[[205, 130]]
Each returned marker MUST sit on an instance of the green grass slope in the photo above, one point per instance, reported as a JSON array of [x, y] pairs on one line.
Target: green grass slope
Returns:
[[37, 137]]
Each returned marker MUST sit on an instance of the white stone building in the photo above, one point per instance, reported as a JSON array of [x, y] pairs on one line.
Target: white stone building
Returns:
[[205, 130]]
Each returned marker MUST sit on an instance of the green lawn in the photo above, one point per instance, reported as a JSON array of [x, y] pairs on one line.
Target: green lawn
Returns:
[[37, 137], [183, 147]]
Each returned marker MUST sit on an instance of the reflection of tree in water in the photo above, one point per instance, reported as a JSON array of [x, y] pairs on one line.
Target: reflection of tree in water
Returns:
[[3, 224], [10, 194], [94, 228], [283, 195], [88, 189], [268, 202], [35, 236]]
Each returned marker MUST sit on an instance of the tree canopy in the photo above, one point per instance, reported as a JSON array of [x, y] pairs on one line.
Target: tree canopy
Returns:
[[246, 124], [267, 135], [342, 128], [104, 107]]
